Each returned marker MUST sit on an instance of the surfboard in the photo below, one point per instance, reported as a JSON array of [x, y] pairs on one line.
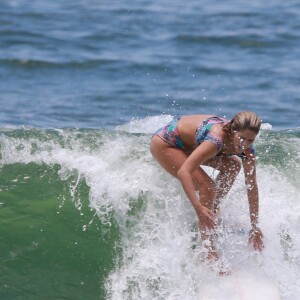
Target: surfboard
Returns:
[[239, 285]]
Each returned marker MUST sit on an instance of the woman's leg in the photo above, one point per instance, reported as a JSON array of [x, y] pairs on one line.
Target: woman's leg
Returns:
[[171, 159]]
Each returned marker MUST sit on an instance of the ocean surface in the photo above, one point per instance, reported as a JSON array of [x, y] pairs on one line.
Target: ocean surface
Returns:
[[85, 212]]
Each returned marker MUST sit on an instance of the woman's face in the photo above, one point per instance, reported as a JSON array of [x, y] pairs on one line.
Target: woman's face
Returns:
[[243, 139]]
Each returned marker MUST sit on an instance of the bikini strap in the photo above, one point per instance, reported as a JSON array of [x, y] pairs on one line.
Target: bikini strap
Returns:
[[203, 132]]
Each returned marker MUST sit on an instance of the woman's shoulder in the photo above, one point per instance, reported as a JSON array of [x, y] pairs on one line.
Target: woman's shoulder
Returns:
[[217, 130]]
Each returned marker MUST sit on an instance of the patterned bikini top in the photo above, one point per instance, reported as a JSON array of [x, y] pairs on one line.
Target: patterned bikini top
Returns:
[[203, 134]]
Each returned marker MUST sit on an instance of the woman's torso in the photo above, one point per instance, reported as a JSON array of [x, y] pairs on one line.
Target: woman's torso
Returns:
[[188, 132], [191, 127]]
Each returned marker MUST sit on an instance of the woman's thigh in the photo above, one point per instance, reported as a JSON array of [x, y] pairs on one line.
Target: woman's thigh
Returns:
[[171, 159]]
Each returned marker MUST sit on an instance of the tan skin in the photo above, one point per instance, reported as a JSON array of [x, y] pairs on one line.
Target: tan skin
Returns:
[[185, 165]]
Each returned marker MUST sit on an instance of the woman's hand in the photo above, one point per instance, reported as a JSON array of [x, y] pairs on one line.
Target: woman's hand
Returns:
[[256, 239], [206, 216]]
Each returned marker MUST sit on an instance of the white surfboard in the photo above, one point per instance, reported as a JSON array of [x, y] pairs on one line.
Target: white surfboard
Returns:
[[240, 285]]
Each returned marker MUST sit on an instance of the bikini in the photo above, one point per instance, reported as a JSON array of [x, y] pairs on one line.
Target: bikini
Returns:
[[170, 134]]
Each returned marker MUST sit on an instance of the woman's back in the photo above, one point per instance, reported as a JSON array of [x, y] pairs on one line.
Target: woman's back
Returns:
[[189, 126]]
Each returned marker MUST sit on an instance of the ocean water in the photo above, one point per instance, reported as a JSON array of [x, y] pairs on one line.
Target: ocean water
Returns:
[[85, 212], [88, 213], [98, 64]]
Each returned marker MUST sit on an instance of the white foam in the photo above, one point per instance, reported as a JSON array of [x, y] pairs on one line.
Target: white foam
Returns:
[[159, 262], [242, 284], [159, 235], [146, 125], [266, 126]]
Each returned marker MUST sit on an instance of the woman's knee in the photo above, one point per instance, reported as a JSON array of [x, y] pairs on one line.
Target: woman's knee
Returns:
[[235, 164], [204, 183], [231, 165]]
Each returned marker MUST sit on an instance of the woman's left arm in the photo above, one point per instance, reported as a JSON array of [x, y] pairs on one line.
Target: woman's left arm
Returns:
[[256, 237]]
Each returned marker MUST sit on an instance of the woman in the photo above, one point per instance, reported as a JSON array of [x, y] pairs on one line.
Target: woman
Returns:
[[190, 141]]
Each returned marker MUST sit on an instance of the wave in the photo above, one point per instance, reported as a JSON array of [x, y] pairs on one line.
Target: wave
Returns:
[[158, 240]]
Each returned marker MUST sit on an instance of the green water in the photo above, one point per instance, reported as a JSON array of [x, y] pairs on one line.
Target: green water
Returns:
[[54, 246], [280, 150], [45, 252]]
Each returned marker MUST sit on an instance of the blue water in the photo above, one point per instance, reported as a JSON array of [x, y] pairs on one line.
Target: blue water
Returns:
[[101, 63], [85, 211]]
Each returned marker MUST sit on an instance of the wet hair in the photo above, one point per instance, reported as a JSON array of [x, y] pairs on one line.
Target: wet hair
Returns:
[[242, 121]]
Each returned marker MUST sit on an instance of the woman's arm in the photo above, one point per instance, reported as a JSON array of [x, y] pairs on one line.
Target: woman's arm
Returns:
[[202, 153], [256, 237]]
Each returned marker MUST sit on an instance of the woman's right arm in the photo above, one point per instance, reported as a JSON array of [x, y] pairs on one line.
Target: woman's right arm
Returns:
[[202, 153]]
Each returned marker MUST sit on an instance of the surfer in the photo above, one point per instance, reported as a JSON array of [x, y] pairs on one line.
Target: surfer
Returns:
[[188, 142]]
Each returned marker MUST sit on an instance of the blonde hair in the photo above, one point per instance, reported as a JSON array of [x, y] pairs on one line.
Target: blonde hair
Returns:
[[242, 121]]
